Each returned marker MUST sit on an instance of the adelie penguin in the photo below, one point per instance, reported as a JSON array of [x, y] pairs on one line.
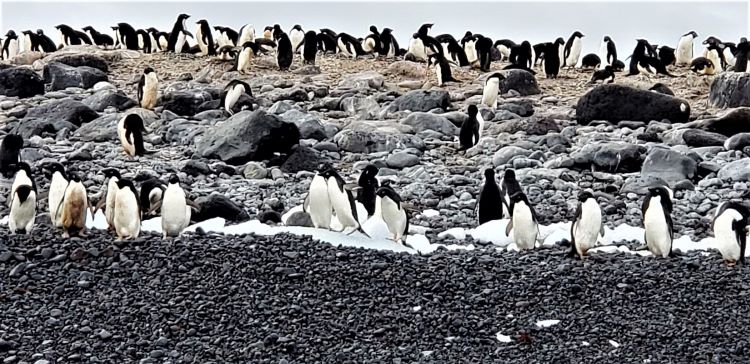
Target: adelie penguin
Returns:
[[484, 52], [204, 38], [657, 221], [490, 201], [572, 50], [469, 45], [177, 31], [244, 59], [523, 222], [309, 47], [68, 36], [471, 129], [148, 87], [284, 52], [159, 40], [552, 58], [175, 209], [730, 231], [684, 52], [590, 61], [128, 36], [144, 41], [666, 55], [45, 42], [58, 184], [327, 43], [109, 200], [127, 215], [371, 44], [74, 207], [603, 74], [349, 46], [393, 213], [246, 34], [587, 225], [510, 186], [703, 66], [151, 194], [442, 68], [22, 201], [608, 52], [10, 45], [504, 46], [522, 57], [342, 202], [453, 50], [318, 203], [388, 44], [101, 40], [491, 90], [368, 185], [715, 52], [232, 93], [296, 36], [130, 130], [10, 154], [30, 41]]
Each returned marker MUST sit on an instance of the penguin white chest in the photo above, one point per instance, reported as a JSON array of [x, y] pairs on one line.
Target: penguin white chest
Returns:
[[416, 48], [243, 62], [127, 145], [319, 204], [439, 74], [588, 227], [713, 55], [22, 214], [20, 179], [233, 94], [27, 42], [181, 39], [341, 205], [127, 216], [111, 201], [524, 227], [480, 121], [575, 53], [684, 53], [174, 217], [150, 91], [199, 38], [489, 94], [658, 238], [394, 216], [55, 197], [12, 48], [471, 51], [725, 236]]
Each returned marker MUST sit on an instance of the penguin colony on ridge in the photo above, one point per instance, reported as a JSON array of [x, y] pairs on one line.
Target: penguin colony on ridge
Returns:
[[521, 56]]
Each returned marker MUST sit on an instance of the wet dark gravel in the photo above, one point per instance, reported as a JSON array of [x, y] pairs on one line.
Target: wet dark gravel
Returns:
[[215, 299]]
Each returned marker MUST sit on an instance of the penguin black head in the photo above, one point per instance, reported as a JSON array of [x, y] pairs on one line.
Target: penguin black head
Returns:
[[578, 34], [134, 122], [183, 16], [115, 28], [386, 31], [473, 110], [40, 32], [693, 33], [712, 41], [425, 28], [509, 175], [297, 27], [387, 191], [152, 30], [560, 41], [27, 32], [499, 76], [22, 166], [370, 171], [148, 70], [86, 28], [111, 172], [585, 195], [11, 34], [609, 69], [12, 142], [219, 28], [607, 38], [174, 179], [252, 45], [415, 36], [124, 182], [489, 173], [373, 29], [75, 177], [518, 197], [660, 191], [468, 35]]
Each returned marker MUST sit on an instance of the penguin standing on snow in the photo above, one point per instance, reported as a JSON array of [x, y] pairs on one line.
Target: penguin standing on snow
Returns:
[[232, 93], [510, 187], [284, 53], [342, 202], [657, 220], [58, 184], [730, 231], [175, 212], [368, 185], [471, 129], [587, 225], [127, 215], [130, 129], [572, 50], [523, 222], [109, 200], [10, 154], [296, 36], [22, 201], [393, 213], [491, 90], [177, 31], [318, 203], [148, 87], [684, 53], [490, 202], [310, 47], [204, 38], [442, 68], [151, 194], [10, 45], [74, 207]]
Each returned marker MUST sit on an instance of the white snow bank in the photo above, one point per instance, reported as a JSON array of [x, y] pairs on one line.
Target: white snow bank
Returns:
[[547, 323]]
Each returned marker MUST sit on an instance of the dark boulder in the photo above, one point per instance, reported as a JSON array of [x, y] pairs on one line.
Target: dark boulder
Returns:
[[54, 116], [216, 205], [615, 103], [20, 82], [700, 138], [61, 76], [521, 81], [610, 157], [730, 89], [422, 100], [733, 122], [83, 59], [303, 159], [103, 99], [669, 165], [188, 102]]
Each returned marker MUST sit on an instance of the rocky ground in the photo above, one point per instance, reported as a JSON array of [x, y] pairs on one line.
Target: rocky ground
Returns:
[[93, 300]]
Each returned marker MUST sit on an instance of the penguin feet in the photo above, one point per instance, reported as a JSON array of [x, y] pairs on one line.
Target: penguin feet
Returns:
[[730, 263], [66, 235]]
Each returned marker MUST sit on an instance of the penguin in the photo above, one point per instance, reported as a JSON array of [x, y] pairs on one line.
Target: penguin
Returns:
[[342, 201], [618, 66], [177, 32], [153, 37], [552, 58], [128, 36], [10, 45], [484, 52], [442, 68], [523, 222], [603, 74], [742, 56], [666, 55], [22, 200], [417, 48], [74, 207], [490, 201], [393, 213], [112, 176], [703, 66], [276, 31], [572, 50], [491, 90], [715, 52], [509, 187], [130, 129], [232, 93], [268, 32], [10, 154], [265, 46], [318, 203], [371, 44], [309, 47], [245, 57], [83, 37], [144, 41], [68, 36], [471, 129], [326, 43], [349, 46], [227, 53], [684, 52], [468, 42], [608, 52], [657, 220], [204, 38], [285, 52], [30, 42], [175, 212], [522, 57], [590, 61], [45, 42], [150, 194], [148, 87], [642, 61], [452, 49], [221, 38], [587, 224], [539, 49], [101, 40], [127, 215], [661, 88], [389, 46], [368, 185], [296, 36], [504, 46], [246, 34], [161, 39], [730, 231], [58, 184]]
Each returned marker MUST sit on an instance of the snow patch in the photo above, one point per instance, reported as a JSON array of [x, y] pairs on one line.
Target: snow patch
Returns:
[[547, 323], [614, 343], [503, 338]]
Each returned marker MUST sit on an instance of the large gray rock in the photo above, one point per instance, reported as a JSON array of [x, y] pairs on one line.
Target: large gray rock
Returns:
[[400, 160], [733, 122], [422, 121], [20, 82], [730, 89], [105, 98], [365, 107], [81, 59], [309, 125], [520, 80], [669, 165], [421, 100], [360, 141], [610, 157], [248, 136], [51, 117], [737, 171], [304, 159], [615, 103], [61, 76], [506, 154], [701, 138], [186, 103], [366, 79], [104, 128]]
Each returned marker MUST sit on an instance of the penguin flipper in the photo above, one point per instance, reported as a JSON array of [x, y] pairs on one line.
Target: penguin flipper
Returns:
[[99, 205], [509, 227], [157, 205], [192, 204]]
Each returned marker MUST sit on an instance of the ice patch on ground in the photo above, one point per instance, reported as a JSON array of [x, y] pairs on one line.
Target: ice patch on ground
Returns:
[[547, 323], [503, 338], [614, 343]]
